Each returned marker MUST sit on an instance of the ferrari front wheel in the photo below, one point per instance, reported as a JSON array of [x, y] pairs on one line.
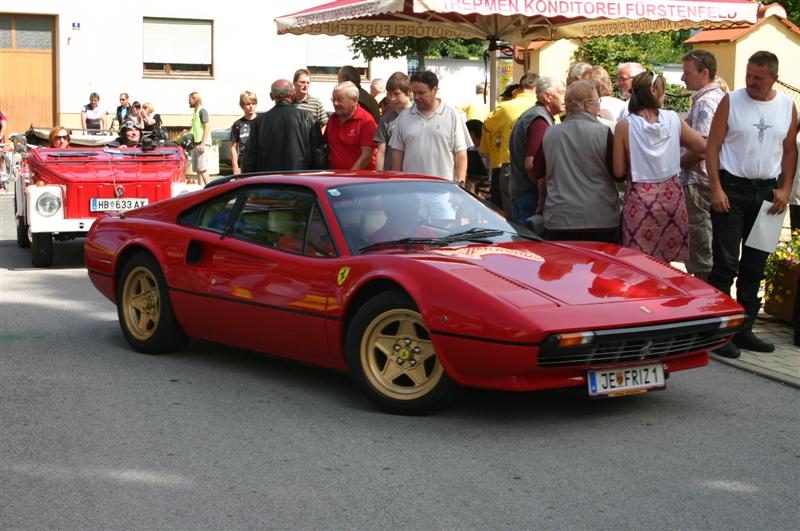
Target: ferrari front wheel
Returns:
[[392, 359], [144, 309]]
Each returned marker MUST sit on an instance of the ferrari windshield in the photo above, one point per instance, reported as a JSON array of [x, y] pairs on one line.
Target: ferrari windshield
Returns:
[[382, 214]]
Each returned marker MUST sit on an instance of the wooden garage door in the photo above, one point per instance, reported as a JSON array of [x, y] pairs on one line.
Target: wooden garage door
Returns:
[[27, 71]]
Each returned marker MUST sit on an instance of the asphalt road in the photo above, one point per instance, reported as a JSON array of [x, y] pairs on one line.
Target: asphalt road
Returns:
[[96, 436]]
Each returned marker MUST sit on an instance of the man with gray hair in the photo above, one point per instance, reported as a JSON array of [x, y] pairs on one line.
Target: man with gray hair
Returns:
[[350, 131], [377, 89], [477, 107], [285, 137], [574, 160], [577, 71], [625, 74], [526, 138], [365, 99]]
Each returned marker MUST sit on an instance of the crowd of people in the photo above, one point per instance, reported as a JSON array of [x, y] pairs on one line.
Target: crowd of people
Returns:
[[95, 119], [566, 158]]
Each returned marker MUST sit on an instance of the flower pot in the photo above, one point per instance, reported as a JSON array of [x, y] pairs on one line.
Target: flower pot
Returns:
[[782, 304]]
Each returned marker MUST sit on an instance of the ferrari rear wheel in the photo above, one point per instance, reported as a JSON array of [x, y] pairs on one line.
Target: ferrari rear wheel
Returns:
[[392, 359], [144, 309]]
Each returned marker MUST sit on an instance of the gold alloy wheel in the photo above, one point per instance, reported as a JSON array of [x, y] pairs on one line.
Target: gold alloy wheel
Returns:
[[141, 303], [397, 355]]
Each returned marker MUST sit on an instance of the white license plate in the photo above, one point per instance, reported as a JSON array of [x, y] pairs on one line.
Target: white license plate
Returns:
[[625, 380], [116, 204]]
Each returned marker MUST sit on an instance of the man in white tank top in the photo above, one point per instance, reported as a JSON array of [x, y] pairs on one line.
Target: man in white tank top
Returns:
[[750, 145]]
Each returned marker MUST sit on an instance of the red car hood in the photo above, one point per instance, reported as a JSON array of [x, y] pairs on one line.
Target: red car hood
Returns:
[[573, 274]]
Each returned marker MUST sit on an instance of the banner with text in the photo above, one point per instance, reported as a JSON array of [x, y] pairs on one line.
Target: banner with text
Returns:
[[715, 11]]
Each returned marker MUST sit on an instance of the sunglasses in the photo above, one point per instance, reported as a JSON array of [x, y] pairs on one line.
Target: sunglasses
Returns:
[[62, 136], [655, 77]]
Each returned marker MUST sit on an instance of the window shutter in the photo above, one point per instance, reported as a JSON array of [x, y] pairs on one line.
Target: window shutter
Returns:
[[177, 41]]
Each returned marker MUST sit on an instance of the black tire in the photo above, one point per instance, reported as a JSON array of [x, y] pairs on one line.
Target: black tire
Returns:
[[144, 308], [391, 357], [22, 233], [41, 249]]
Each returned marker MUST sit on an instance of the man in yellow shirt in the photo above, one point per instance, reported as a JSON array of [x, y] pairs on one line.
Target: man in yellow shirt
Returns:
[[501, 121], [490, 148], [477, 107]]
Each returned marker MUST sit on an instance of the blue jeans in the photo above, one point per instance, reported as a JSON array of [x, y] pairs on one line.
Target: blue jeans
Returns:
[[524, 206]]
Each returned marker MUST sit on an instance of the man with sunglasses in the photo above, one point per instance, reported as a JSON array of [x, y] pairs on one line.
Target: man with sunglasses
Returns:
[[123, 110], [625, 74]]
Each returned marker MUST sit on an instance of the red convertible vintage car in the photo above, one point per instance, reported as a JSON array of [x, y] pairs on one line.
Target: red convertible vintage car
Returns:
[[61, 192], [408, 282]]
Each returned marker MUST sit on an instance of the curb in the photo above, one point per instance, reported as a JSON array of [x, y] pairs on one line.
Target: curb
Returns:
[[761, 371]]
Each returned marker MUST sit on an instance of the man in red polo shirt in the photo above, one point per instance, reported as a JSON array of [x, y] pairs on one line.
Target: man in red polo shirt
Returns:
[[350, 132]]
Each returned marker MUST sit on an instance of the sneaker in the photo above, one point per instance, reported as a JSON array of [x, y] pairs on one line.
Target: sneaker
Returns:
[[747, 340], [728, 351]]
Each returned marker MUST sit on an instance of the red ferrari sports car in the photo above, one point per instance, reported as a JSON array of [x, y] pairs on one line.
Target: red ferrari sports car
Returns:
[[408, 282]]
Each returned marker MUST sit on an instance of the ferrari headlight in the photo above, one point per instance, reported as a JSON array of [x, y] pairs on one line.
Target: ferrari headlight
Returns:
[[731, 321], [48, 204], [574, 339]]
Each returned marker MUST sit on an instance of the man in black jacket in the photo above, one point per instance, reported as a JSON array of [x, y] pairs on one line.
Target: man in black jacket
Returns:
[[285, 137]]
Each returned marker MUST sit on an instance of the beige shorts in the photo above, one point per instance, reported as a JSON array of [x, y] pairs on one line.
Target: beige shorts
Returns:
[[200, 160], [698, 208]]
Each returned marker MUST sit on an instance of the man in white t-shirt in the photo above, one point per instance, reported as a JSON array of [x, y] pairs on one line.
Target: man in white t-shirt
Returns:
[[430, 138], [751, 143]]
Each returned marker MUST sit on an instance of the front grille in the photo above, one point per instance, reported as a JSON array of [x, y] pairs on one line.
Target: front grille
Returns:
[[636, 344]]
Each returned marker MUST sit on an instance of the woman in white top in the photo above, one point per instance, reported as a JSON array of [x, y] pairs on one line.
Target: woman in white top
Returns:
[[647, 151], [92, 117]]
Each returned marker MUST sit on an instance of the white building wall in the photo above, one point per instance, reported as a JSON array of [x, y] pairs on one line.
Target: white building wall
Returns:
[[104, 55], [457, 78]]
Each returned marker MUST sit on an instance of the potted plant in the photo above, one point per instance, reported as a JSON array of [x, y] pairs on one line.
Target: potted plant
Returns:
[[781, 276]]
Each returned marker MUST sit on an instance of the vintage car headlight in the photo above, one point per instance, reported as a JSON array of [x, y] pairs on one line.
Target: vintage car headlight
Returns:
[[48, 204]]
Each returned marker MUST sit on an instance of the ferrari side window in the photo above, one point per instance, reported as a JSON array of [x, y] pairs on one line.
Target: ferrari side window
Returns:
[[213, 215], [319, 240], [275, 217]]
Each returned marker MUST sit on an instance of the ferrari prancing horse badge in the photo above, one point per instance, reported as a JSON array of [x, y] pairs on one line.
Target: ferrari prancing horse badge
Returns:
[[342, 276]]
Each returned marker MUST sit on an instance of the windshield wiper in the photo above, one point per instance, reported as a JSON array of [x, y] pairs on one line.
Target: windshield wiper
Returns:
[[474, 234], [403, 241], [69, 154]]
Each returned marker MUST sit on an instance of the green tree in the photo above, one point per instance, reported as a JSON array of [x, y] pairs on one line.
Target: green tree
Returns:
[[387, 47], [647, 49], [792, 8]]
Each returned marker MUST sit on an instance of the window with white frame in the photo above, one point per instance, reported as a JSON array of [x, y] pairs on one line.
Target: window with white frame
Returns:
[[177, 47]]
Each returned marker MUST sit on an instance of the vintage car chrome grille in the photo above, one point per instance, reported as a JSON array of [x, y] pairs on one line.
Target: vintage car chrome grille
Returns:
[[635, 344]]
